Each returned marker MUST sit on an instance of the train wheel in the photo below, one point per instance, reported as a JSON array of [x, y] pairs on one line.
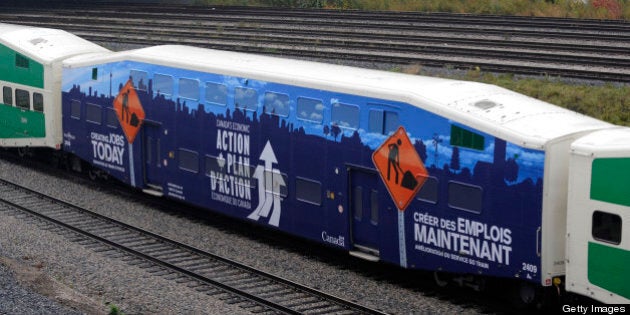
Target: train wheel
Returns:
[[440, 279], [523, 295], [22, 151], [92, 174], [55, 160]]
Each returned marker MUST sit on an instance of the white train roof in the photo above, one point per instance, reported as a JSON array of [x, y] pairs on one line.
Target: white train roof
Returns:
[[614, 142], [495, 110], [45, 45]]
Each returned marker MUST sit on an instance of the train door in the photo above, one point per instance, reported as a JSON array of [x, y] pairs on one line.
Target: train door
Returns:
[[152, 155], [364, 210]]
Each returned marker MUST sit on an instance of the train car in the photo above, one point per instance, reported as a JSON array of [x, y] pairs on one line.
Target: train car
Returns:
[[426, 173], [598, 250], [30, 76]]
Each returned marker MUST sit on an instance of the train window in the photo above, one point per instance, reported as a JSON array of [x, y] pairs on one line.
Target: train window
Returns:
[[279, 183], [284, 189], [606, 227], [94, 74], [189, 160], [214, 166], [276, 104], [189, 88], [22, 99], [465, 197], [112, 120], [310, 109], [148, 150], [163, 84], [75, 109], [374, 206], [7, 95], [246, 98], [357, 202], [382, 122], [21, 61], [344, 115], [93, 113], [38, 102], [308, 191], [375, 121], [465, 138], [216, 93], [391, 122], [140, 79], [429, 191]]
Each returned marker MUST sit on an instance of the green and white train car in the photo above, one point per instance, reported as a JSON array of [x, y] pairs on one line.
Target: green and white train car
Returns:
[[30, 83], [598, 212]]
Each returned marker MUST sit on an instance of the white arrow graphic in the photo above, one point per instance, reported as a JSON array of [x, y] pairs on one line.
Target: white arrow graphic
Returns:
[[277, 182], [269, 182]]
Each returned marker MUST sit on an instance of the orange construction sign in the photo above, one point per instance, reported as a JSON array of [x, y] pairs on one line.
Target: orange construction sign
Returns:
[[400, 168], [129, 111]]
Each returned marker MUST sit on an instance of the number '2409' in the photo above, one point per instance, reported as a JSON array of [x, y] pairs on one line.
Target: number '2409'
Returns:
[[530, 268]]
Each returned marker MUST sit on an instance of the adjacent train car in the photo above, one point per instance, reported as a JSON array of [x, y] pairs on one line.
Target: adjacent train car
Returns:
[[30, 76], [598, 250], [426, 173]]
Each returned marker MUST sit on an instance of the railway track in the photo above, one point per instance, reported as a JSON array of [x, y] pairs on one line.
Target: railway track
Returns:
[[585, 49], [238, 284]]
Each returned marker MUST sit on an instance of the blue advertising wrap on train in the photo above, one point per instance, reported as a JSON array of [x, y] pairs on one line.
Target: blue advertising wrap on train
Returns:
[[299, 160]]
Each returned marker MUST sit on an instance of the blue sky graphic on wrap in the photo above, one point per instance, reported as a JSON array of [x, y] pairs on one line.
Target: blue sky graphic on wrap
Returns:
[[530, 161]]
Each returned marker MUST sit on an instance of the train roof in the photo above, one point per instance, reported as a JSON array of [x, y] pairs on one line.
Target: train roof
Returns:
[[492, 109], [614, 142], [45, 45]]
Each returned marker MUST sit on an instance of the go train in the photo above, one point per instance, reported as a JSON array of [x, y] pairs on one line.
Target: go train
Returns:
[[460, 178]]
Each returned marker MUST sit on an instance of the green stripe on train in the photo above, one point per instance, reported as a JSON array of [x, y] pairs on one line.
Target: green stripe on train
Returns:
[[17, 68], [19, 123], [610, 180], [609, 269]]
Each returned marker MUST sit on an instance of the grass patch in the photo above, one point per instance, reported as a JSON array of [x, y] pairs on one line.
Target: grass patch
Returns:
[[114, 309]]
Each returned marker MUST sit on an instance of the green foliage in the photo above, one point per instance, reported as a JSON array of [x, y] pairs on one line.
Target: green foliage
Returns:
[[601, 9], [596, 9], [115, 310], [315, 4]]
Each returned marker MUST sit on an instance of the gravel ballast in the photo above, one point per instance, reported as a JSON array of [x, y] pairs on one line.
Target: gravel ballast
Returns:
[[20, 298]]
